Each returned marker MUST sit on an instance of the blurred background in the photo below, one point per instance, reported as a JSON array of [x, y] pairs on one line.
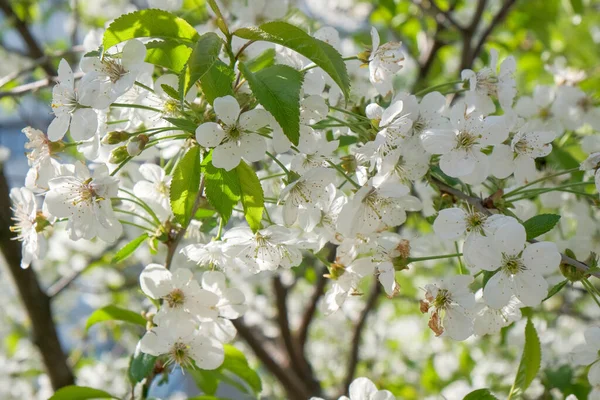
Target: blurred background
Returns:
[[550, 39]]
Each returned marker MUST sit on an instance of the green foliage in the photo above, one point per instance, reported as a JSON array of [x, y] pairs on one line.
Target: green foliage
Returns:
[[204, 65], [80, 393], [556, 288], [223, 190], [252, 195], [140, 367], [129, 248], [530, 361], [277, 88], [480, 394], [319, 52], [185, 185], [540, 224], [234, 371], [168, 54], [264, 60], [114, 313], [149, 24]]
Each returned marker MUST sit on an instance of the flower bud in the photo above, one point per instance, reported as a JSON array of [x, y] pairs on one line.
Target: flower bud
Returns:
[[115, 137], [364, 56], [137, 144], [118, 155], [349, 163]]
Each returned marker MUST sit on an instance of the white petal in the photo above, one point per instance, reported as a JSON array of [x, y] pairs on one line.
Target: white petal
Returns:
[[155, 281], [542, 257], [65, 74], [227, 109], [58, 127], [207, 352], [498, 290], [362, 388], [254, 119], [438, 141], [457, 324], [134, 53], [530, 288], [502, 161], [458, 163], [209, 134], [511, 238], [84, 124], [450, 223]]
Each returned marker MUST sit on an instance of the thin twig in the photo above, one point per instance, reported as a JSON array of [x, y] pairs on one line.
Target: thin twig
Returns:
[[33, 86], [35, 50], [357, 334], [498, 18], [310, 311], [478, 204]]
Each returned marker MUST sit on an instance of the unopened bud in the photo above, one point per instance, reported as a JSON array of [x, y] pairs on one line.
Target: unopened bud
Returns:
[[336, 270], [364, 56], [137, 144], [118, 155], [115, 137]]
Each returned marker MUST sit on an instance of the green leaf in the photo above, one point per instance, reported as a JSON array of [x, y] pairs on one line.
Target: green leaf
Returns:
[[319, 52], [530, 361], [204, 65], [540, 224], [264, 60], [277, 88], [148, 23], [183, 124], [480, 394], [80, 393], [170, 91], [223, 190], [207, 381], [556, 288], [140, 367], [252, 194], [114, 313], [236, 363], [129, 248], [185, 185], [168, 54]]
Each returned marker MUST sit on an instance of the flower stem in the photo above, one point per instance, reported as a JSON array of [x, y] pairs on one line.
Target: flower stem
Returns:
[[287, 172], [435, 87], [341, 171], [413, 259], [568, 171]]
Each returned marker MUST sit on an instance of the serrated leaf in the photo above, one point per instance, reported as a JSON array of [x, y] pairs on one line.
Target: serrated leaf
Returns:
[[183, 124], [149, 23], [140, 367], [530, 361], [540, 224], [114, 313], [129, 248], [80, 393], [185, 185], [204, 65], [253, 199], [292, 37], [480, 394], [556, 288], [168, 54], [168, 89], [222, 188], [277, 89]]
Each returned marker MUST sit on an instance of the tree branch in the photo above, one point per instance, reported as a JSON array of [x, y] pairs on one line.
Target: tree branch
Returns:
[[310, 311], [33, 86], [34, 49], [294, 387], [356, 336], [36, 302], [498, 18]]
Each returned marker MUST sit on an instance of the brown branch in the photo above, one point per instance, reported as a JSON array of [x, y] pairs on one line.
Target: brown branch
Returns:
[[33, 86], [310, 311], [479, 205], [297, 361], [356, 335], [294, 387], [444, 17], [36, 302], [498, 18], [34, 49], [467, 35]]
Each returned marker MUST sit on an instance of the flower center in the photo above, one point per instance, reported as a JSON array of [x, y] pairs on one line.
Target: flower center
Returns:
[[475, 221], [487, 82], [466, 140], [418, 125], [512, 264], [180, 354], [171, 107], [86, 193], [443, 299], [113, 69], [176, 298]]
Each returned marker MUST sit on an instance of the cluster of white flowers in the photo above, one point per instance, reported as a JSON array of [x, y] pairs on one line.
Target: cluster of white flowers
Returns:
[[129, 132]]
